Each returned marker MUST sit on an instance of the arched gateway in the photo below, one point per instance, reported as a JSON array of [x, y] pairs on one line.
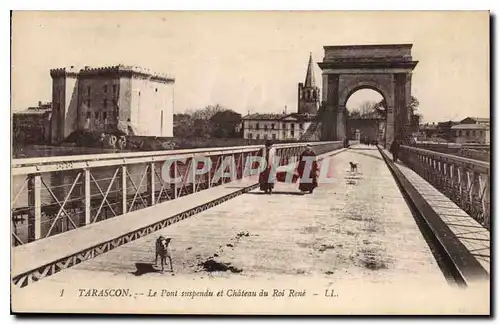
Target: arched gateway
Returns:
[[383, 68]]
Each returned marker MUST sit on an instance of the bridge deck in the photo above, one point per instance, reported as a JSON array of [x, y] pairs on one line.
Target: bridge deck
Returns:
[[358, 228], [43, 252], [467, 230]]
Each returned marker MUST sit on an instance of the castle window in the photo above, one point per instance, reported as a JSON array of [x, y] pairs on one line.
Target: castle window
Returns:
[[104, 115], [301, 126], [105, 88], [88, 115], [274, 136], [88, 102], [293, 126], [272, 126], [265, 127], [114, 90], [257, 126], [250, 135], [96, 115], [105, 103], [88, 91]]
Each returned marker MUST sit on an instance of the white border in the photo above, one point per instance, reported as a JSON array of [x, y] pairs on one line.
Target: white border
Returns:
[[180, 5]]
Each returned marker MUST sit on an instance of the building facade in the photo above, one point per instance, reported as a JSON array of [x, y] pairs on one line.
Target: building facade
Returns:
[[275, 126], [32, 126], [366, 129], [132, 100], [472, 130]]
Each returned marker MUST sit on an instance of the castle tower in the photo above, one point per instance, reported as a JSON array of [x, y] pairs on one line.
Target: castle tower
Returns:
[[64, 103], [308, 92]]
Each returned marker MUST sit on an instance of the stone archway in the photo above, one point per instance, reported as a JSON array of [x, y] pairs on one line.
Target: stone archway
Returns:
[[386, 69]]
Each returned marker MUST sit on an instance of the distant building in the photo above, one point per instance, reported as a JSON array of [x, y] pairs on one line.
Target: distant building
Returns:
[[118, 98], [32, 126], [440, 131], [427, 131], [445, 131], [276, 126], [476, 120], [308, 92], [472, 130], [285, 126], [370, 127]]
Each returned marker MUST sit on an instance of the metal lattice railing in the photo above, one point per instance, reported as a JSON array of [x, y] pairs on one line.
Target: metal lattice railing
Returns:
[[465, 181], [59, 194]]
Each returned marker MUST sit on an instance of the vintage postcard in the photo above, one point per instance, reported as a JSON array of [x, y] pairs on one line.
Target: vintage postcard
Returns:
[[251, 162]]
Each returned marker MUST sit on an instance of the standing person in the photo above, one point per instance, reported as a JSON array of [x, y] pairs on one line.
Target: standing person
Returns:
[[308, 183], [395, 149], [268, 153]]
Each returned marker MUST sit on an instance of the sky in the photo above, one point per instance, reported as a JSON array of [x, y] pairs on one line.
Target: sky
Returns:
[[253, 61]]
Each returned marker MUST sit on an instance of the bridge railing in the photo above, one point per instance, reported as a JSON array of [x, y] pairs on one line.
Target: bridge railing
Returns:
[[465, 181], [52, 195]]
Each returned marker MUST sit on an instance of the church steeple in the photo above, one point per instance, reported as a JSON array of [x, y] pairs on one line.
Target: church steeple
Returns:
[[308, 92], [310, 74]]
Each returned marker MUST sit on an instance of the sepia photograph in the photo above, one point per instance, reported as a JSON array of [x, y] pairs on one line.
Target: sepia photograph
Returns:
[[250, 162]]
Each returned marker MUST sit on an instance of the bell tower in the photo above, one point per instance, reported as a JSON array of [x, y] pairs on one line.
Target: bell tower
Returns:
[[308, 92]]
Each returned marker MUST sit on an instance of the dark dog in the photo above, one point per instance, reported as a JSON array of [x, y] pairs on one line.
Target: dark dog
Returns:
[[354, 167], [163, 252]]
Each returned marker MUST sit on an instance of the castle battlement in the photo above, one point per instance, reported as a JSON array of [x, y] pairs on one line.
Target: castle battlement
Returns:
[[120, 69]]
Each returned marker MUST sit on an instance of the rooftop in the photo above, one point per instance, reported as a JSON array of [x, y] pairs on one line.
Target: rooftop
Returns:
[[262, 116], [280, 117], [470, 127], [32, 112], [477, 119]]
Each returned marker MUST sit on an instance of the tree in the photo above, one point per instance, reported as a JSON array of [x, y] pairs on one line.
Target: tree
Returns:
[[381, 107], [202, 128], [224, 123], [207, 112], [414, 117], [367, 109], [210, 121], [414, 103], [183, 125], [415, 122]]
